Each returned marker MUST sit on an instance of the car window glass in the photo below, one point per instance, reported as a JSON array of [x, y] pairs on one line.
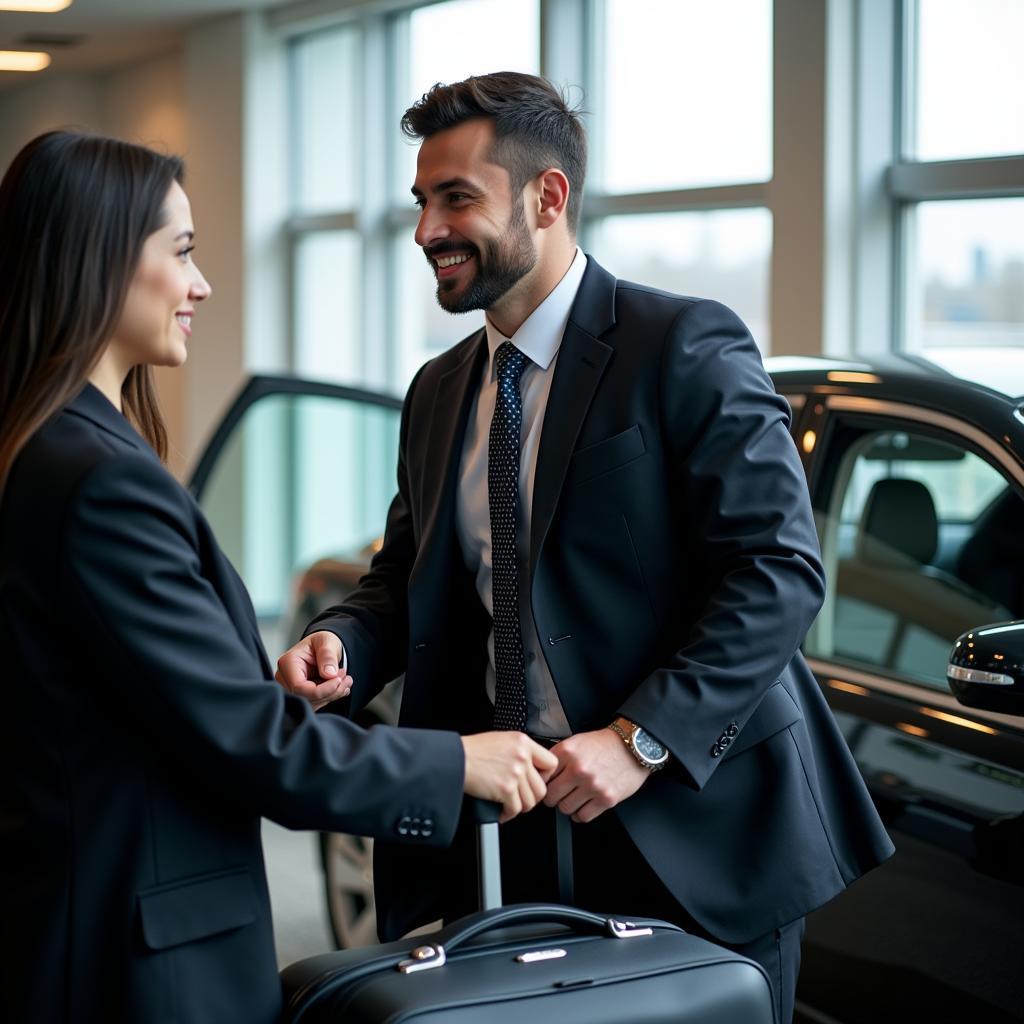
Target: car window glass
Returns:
[[297, 498], [920, 544]]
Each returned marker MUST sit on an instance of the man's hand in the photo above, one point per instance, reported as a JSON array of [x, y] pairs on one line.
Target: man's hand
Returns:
[[311, 669], [507, 767], [595, 772]]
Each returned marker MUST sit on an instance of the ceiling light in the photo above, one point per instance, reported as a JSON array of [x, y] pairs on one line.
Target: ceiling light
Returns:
[[23, 60], [36, 6]]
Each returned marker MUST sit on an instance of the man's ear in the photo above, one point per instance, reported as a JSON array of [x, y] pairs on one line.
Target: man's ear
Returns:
[[551, 195]]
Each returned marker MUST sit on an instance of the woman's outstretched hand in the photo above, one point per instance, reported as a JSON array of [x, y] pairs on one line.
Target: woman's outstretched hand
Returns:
[[508, 768]]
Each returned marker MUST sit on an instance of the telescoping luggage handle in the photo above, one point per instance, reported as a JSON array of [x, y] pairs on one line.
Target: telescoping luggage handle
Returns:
[[485, 814]]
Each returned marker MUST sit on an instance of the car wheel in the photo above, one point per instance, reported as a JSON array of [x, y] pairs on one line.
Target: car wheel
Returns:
[[348, 884]]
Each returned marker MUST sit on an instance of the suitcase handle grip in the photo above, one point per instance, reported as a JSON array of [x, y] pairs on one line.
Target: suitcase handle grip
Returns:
[[482, 812], [466, 928]]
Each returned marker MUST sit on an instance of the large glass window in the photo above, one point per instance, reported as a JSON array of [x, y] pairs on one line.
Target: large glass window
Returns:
[[328, 341], [326, 126], [967, 298], [688, 93], [969, 79]]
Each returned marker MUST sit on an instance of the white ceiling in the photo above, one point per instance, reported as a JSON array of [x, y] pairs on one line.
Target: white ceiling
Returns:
[[113, 32]]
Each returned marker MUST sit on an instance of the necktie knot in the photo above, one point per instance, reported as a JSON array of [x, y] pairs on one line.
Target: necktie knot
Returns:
[[509, 363]]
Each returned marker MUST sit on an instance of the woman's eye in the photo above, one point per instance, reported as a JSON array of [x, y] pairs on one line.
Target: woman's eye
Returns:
[[184, 254]]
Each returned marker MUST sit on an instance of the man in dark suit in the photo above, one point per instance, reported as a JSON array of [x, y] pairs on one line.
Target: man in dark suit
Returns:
[[602, 534]]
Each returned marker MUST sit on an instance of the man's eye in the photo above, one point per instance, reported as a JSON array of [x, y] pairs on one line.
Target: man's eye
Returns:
[[457, 197], [419, 202]]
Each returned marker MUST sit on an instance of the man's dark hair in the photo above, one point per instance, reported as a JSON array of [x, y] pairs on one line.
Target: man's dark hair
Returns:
[[534, 127]]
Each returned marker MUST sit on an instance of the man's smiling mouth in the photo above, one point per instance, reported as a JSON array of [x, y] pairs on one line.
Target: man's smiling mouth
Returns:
[[450, 261]]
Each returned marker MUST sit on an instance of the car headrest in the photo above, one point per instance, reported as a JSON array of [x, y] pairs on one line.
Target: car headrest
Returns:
[[899, 526]]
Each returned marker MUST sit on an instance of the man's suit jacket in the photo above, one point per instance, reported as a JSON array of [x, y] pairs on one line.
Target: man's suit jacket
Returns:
[[144, 737], [673, 572]]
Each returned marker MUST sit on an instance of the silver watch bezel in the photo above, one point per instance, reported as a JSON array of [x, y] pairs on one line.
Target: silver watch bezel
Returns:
[[642, 757]]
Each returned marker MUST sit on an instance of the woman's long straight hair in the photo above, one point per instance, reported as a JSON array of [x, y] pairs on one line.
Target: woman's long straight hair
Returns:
[[75, 212]]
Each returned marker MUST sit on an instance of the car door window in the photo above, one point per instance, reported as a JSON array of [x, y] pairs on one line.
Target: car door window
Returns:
[[298, 496], [915, 536]]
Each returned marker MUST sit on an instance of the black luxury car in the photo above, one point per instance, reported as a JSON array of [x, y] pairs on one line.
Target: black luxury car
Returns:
[[917, 481]]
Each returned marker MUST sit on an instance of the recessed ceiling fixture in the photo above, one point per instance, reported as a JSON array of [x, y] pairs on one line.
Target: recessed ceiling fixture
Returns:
[[23, 60], [36, 6]]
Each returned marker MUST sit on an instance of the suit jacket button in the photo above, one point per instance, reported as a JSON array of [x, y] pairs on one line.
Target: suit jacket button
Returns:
[[716, 751], [732, 730], [402, 828]]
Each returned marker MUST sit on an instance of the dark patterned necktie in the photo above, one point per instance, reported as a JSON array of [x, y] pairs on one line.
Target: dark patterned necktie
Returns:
[[503, 498]]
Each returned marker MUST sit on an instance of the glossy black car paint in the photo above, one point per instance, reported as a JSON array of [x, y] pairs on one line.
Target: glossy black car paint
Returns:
[[937, 933]]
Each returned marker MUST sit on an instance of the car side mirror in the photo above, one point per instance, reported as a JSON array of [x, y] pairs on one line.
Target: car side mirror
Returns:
[[986, 668]]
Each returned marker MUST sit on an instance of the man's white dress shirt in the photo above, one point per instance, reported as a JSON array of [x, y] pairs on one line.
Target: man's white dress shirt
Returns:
[[539, 338]]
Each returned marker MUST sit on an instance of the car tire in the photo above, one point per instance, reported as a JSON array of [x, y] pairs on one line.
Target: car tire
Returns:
[[348, 888]]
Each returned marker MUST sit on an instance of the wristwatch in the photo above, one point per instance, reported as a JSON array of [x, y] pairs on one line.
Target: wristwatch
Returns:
[[642, 745]]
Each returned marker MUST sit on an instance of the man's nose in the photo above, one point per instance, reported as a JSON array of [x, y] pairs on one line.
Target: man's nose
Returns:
[[430, 228]]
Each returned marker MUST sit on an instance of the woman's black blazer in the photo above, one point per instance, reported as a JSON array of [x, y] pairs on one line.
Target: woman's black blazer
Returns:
[[143, 739]]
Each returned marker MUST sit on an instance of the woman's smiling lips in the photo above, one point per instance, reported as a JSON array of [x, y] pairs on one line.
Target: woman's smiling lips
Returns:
[[184, 321]]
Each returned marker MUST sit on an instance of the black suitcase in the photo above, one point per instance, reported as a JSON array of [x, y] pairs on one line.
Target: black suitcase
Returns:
[[530, 964]]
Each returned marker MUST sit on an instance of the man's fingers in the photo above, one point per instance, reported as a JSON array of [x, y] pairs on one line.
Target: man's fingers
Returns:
[[573, 802], [537, 787], [333, 689], [327, 648], [588, 812], [292, 669], [511, 807], [544, 759]]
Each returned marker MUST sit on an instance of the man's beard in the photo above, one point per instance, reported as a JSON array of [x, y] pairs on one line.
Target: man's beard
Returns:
[[501, 265]]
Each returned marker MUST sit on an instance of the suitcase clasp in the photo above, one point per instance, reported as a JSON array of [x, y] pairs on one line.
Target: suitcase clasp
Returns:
[[423, 958], [626, 929]]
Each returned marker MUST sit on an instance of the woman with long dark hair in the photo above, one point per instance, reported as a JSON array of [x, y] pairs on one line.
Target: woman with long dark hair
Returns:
[[143, 735]]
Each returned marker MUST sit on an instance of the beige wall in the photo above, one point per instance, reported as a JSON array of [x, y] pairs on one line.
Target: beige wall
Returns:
[[146, 104]]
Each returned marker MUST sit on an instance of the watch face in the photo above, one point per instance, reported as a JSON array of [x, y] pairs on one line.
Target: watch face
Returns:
[[647, 746]]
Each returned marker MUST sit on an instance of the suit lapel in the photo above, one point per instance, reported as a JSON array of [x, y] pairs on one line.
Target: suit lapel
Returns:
[[582, 358], [447, 429]]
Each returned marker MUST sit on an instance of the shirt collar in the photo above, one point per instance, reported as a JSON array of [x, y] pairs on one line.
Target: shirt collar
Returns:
[[540, 335]]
